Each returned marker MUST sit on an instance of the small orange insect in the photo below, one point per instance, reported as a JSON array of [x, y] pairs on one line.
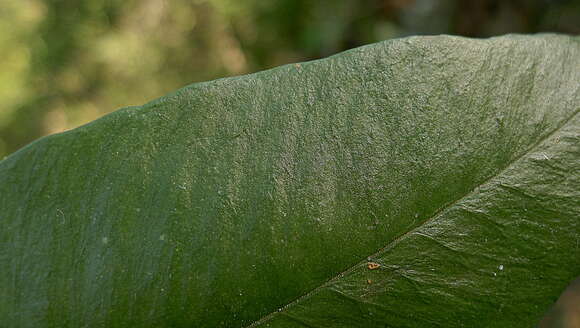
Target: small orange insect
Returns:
[[373, 265]]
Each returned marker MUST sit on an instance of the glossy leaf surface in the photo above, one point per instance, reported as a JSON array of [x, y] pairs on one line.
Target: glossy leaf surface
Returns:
[[427, 181]]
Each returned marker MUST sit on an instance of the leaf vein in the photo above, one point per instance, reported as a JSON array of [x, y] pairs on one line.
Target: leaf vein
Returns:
[[431, 218]]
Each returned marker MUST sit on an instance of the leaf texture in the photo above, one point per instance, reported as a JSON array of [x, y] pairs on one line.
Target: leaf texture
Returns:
[[425, 181]]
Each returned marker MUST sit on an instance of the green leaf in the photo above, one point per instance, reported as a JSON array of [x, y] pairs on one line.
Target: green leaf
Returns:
[[425, 181]]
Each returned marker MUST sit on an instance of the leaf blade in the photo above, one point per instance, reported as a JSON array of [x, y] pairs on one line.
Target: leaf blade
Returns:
[[226, 200], [570, 127]]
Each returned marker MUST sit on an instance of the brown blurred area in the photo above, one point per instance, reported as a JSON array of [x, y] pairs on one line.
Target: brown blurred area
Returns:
[[566, 312], [65, 63]]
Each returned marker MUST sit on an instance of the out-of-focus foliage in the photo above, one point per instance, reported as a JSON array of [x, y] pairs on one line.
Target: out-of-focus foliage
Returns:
[[64, 63]]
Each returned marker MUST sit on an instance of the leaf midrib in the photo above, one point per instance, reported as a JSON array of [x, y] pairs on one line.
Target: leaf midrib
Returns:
[[431, 218]]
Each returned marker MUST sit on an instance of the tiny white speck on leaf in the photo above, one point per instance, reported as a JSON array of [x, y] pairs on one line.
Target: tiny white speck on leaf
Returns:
[[500, 267]]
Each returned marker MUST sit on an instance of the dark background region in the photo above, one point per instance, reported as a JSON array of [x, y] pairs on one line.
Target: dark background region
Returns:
[[64, 63]]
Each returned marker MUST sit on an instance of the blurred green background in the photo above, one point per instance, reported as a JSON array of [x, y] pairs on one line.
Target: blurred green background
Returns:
[[64, 63]]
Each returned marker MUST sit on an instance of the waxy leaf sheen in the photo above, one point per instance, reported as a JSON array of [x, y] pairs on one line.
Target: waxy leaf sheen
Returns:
[[418, 182]]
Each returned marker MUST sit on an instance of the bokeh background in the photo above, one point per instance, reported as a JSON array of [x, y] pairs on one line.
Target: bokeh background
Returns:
[[64, 63]]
